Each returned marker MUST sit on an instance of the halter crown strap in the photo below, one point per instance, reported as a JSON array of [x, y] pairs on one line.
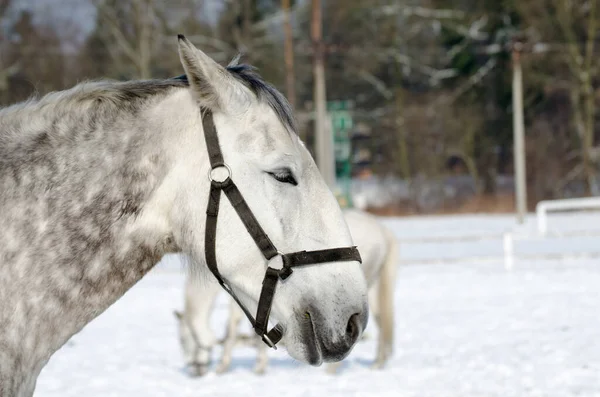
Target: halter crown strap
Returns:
[[272, 276], [212, 141]]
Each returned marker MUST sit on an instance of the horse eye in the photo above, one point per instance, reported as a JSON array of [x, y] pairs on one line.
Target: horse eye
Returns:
[[284, 176]]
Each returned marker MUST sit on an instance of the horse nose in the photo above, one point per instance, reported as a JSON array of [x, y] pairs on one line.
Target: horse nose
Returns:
[[335, 348]]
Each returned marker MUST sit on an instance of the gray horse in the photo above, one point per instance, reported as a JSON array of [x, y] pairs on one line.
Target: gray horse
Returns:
[[98, 182]]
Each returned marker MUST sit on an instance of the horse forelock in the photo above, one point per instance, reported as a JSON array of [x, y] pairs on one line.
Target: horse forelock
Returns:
[[265, 92]]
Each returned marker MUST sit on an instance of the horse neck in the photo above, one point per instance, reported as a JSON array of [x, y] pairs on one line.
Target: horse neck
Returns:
[[79, 234]]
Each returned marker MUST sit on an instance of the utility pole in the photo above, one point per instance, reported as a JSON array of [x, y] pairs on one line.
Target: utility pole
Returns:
[[324, 140], [519, 133], [289, 54]]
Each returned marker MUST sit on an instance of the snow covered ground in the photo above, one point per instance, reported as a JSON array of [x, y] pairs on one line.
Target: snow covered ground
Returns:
[[463, 330]]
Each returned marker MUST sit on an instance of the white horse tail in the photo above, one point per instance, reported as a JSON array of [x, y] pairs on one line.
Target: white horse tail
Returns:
[[387, 283]]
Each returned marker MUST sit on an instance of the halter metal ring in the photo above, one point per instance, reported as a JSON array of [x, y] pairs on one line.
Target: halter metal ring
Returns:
[[279, 254], [210, 171]]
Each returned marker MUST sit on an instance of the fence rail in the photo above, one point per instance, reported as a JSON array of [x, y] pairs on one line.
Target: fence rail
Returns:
[[543, 207], [506, 240]]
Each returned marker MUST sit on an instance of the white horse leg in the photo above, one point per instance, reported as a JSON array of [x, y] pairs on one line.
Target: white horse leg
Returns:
[[262, 358], [194, 325], [374, 308], [235, 316], [384, 300]]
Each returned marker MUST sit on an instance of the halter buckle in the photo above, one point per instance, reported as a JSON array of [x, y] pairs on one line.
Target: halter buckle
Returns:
[[285, 272], [269, 342], [224, 165]]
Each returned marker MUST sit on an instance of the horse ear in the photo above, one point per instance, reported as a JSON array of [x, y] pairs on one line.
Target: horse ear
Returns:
[[209, 81], [178, 314]]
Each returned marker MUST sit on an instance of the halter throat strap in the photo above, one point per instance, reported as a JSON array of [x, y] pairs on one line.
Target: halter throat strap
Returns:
[[272, 276]]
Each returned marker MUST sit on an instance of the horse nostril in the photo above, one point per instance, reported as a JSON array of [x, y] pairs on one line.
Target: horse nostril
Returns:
[[353, 328]]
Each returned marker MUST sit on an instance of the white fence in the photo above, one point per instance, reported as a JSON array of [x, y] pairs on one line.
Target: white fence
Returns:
[[543, 207], [507, 243], [520, 243]]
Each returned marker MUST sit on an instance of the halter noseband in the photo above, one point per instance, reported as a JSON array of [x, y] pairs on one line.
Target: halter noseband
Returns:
[[301, 258]]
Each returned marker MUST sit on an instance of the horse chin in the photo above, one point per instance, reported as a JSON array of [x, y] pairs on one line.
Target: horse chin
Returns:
[[305, 346]]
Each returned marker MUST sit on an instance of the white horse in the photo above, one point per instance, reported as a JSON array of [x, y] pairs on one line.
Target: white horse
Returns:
[[378, 247], [98, 182]]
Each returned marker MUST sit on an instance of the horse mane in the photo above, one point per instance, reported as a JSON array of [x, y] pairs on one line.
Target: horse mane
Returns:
[[114, 93], [112, 98]]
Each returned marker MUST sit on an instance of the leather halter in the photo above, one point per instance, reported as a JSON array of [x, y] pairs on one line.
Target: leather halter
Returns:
[[272, 276]]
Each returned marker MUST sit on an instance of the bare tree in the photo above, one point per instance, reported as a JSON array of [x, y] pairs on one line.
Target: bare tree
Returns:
[[132, 32], [290, 81], [583, 71], [568, 33]]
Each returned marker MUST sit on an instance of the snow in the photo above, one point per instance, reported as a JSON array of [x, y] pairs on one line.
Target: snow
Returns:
[[462, 329]]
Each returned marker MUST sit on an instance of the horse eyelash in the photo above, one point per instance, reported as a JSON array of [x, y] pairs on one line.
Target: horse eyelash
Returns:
[[284, 176]]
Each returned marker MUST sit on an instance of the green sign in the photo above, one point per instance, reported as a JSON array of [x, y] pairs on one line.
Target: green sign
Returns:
[[342, 123]]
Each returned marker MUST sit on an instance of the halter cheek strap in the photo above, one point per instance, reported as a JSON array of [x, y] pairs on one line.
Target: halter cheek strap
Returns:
[[272, 276]]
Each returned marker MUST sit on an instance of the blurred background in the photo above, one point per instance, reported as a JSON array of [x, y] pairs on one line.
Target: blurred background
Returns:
[[418, 92], [471, 112]]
